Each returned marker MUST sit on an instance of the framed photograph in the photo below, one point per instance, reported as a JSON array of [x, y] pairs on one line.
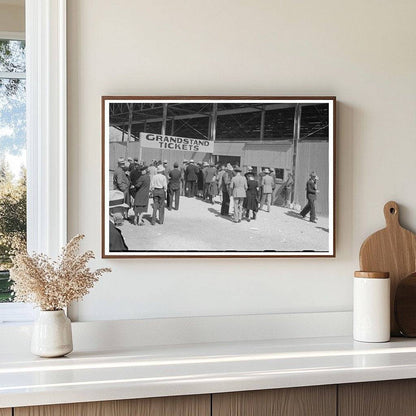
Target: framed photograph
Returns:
[[218, 177]]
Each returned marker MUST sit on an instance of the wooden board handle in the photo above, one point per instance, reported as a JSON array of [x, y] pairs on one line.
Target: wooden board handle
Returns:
[[391, 214]]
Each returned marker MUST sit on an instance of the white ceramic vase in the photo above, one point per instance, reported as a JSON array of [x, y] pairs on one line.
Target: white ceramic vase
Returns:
[[52, 334]]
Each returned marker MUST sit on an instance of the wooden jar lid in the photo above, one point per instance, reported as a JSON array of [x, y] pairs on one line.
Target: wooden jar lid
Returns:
[[372, 275]]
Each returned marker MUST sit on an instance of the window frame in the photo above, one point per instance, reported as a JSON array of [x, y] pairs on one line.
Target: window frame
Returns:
[[46, 135]]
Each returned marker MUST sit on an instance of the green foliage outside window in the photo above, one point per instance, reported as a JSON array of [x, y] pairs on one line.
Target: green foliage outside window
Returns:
[[12, 147]]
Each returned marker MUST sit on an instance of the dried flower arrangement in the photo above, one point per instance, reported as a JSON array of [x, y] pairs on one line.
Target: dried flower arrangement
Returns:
[[53, 285]]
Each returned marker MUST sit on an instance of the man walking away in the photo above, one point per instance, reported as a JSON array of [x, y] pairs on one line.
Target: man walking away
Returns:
[[141, 199], [134, 176], [183, 177], [311, 191], [238, 187], [159, 187], [166, 173], [268, 186], [191, 178], [219, 180], [225, 187], [210, 189], [174, 186]]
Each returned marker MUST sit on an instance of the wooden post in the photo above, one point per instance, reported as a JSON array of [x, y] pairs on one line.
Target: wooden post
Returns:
[[172, 127], [164, 118], [296, 135], [213, 125], [164, 121], [130, 106], [140, 152], [262, 120]]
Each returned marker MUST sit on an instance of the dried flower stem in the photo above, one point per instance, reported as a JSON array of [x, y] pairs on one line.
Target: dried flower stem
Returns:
[[53, 285]]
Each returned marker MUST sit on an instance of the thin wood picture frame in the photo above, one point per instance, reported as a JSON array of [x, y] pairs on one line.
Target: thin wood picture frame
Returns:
[[292, 139]]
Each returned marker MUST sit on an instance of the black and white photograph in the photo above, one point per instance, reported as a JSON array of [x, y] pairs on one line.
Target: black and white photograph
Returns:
[[218, 176]]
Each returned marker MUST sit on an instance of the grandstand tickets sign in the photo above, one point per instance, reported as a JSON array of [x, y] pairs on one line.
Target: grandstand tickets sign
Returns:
[[184, 144]]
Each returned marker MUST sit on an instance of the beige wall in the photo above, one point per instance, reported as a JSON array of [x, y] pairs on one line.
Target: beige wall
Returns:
[[12, 18], [361, 51]]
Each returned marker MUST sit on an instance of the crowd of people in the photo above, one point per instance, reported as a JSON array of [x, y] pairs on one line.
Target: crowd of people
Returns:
[[242, 194]]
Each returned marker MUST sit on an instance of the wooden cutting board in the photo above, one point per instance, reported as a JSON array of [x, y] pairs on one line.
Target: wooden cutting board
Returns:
[[393, 250], [405, 306]]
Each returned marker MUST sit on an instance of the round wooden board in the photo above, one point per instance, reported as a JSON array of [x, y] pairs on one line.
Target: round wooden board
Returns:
[[405, 306], [393, 250]]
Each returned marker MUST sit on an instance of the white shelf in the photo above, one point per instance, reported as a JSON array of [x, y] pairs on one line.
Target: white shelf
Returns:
[[150, 371]]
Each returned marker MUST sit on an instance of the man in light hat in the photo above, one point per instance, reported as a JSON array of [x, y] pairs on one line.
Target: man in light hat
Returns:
[[238, 188], [267, 184], [311, 193], [159, 186], [118, 207], [152, 169], [129, 165], [121, 181]]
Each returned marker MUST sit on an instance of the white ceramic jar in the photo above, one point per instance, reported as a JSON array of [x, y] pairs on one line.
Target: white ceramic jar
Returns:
[[52, 334], [371, 305]]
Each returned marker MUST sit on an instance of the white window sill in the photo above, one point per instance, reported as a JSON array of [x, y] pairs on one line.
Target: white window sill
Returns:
[[16, 313]]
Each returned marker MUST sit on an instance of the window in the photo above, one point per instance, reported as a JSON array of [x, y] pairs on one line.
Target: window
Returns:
[[12, 155], [45, 27]]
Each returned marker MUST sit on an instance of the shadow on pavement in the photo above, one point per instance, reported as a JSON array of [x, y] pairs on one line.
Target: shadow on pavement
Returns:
[[323, 229], [218, 214], [294, 214]]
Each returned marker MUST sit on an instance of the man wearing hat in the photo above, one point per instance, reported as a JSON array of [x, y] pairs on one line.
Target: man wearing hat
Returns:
[[166, 173], [238, 188], [311, 193], [267, 184], [210, 173], [152, 169], [159, 186], [129, 164], [141, 199], [288, 188], [117, 205], [191, 178], [183, 176], [174, 186], [220, 174], [135, 173], [225, 188], [121, 181]]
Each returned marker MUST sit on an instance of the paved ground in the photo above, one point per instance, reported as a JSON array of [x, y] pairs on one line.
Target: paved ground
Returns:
[[199, 226]]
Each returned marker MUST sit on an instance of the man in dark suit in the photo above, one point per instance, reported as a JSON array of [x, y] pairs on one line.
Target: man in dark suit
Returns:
[[311, 192], [174, 186], [191, 178]]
